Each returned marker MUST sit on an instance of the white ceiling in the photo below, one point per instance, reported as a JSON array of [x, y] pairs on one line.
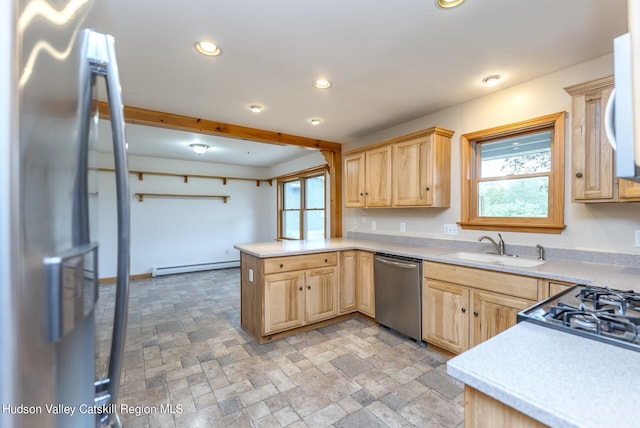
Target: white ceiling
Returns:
[[390, 60]]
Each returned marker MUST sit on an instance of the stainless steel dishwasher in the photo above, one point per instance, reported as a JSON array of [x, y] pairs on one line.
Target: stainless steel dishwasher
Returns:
[[398, 293]]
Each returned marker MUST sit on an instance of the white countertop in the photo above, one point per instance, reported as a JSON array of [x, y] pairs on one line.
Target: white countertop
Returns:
[[559, 270], [557, 378]]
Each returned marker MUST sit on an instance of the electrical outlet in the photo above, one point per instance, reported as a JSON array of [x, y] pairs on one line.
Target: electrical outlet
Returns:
[[373, 225], [451, 229], [637, 238], [355, 225], [403, 226], [363, 219]]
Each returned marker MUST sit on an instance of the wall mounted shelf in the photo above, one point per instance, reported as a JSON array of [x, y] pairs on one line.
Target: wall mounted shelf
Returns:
[[186, 177], [141, 196]]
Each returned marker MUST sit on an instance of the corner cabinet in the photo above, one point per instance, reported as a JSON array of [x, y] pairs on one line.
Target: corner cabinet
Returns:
[[464, 306], [409, 171], [592, 159]]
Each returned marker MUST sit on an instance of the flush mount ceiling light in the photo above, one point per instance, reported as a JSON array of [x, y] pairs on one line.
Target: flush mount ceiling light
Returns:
[[256, 108], [199, 148], [315, 122], [492, 80], [321, 83], [447, 4], [208, 48]]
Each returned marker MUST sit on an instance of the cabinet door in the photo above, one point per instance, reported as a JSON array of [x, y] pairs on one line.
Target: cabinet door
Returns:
[[378, 177], [366, 298], [628, 190], [321, 293], [348, 282], [354, 180], [283, 301], [592, 156], [445, 315], [493, 313], [411, 159]]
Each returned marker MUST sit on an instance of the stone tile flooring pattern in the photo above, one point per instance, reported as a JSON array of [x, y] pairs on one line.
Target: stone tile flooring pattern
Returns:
[[185, 348]]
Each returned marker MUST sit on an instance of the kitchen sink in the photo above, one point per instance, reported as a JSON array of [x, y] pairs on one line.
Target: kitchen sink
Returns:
[[495, 259]]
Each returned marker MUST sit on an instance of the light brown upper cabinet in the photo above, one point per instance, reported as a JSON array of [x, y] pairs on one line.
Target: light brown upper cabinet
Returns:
[[368, 178], [422, 170], [409, 171], [592, 160]]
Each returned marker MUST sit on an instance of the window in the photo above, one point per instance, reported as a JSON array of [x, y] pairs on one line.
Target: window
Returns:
[[301, 211], [513, 177]]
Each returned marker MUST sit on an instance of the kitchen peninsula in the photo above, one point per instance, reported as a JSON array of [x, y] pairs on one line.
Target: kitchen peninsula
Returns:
[[528, 371]]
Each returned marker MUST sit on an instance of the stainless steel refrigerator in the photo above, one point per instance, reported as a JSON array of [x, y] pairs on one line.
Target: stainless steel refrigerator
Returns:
[[50, 64]]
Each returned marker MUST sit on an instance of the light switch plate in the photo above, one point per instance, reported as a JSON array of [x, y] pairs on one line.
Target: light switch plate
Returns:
[[403, 226], [373, 225]]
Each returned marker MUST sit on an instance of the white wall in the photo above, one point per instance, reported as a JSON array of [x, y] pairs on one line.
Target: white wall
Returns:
[[604, 227], [172, 231]]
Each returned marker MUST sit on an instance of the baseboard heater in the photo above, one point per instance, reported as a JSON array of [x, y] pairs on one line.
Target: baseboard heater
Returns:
[[168, 270]]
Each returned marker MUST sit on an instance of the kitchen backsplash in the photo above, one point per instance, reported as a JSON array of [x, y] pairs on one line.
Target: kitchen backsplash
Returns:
[[619, 259]]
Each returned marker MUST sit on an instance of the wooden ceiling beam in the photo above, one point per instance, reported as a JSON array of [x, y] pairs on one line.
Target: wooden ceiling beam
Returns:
[[159, 119]]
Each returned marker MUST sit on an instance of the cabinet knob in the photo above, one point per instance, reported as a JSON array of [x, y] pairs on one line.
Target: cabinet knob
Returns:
[[475, 314], [308, 287], [427, 189], [463, 310], [281, 265], [579, 174], [326, 260], [367, 193], [361, 194], [300, 288]]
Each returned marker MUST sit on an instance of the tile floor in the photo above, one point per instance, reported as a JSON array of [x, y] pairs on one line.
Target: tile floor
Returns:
[[186, 352]]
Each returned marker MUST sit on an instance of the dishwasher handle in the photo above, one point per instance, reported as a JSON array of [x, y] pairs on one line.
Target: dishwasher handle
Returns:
[[398, 264]]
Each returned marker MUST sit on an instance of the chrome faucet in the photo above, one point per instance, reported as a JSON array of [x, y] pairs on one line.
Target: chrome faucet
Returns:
[[498, 246], [540, 252]]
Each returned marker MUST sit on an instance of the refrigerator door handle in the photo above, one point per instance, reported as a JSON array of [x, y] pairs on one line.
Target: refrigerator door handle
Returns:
[[102, 60], [609, 119]]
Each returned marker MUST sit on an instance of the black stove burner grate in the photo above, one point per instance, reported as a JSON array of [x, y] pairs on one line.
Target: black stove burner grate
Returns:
[[601, 297]]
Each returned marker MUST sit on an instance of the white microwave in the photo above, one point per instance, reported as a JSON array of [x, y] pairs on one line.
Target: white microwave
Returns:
[[621, 117]]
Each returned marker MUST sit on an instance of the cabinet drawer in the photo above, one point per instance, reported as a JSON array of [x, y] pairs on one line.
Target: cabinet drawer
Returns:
[[305, 261], [505, 283]]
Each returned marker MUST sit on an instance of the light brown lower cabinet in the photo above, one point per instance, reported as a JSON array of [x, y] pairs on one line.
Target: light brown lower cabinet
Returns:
[[348, 281], [356, 282], [459, 315], [556, 287], [366, 292], [283, 293], [482, 411], [293, 299]]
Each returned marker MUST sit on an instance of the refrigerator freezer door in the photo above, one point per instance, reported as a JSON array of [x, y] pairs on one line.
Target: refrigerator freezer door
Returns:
[[48, 280]]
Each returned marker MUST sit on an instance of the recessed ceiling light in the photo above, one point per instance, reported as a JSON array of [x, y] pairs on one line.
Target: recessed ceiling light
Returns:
[[492, 80], [321, 83], [199, 148], [316, 122], [446, 4], [256, 108], [208, 48]]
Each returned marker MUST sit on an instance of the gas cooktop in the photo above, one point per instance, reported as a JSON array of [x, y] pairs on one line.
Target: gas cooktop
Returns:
[[600, 313]]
